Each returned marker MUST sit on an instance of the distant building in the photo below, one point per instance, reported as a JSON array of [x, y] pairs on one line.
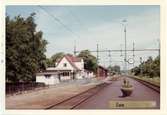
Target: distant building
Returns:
[[67, 68], [102, 71]]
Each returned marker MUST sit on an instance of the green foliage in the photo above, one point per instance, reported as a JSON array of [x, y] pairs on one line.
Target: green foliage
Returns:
[[25, 49], [149, 68], [49, 62], [114, 69], [90, 61], [56, 57]]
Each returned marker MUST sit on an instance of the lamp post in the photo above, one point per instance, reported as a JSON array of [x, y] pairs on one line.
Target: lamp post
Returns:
[[125, 58]]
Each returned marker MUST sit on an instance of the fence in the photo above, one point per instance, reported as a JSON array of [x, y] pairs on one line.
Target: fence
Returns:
[[18, 88]]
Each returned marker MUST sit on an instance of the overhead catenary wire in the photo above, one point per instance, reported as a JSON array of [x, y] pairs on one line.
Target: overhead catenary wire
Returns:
[[59, 21], [99, 51], [79, 22], [124, 50], [77, 19], [74, 16]]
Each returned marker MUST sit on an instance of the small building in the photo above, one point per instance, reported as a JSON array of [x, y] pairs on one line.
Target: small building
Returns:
[[102, 71], [48, 77], [88, 74], [67, 68]]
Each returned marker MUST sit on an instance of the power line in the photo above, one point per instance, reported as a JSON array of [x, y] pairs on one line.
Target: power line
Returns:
[[74, 16], [59, 21], [123, 50], [77, 19]]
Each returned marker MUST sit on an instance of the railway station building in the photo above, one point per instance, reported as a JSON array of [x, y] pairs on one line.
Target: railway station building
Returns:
[[67, 68]]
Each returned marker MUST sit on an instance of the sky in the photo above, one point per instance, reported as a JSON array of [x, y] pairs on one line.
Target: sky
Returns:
[[87, 26]]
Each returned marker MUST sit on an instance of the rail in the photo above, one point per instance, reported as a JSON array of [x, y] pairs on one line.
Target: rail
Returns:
[[148, 84], [74, 101]]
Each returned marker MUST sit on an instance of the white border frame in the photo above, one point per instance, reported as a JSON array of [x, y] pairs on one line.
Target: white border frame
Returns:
[[163, 95]]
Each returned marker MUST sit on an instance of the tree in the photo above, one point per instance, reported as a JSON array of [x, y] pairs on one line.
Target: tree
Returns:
[[57, 56], [25, 49], [49, 62], [90, 61], [136, 70], [54, 58], [151, 68], [114, 69]]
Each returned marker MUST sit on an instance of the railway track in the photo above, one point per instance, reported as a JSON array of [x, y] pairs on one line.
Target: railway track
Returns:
[[148, 84], [74, 101]]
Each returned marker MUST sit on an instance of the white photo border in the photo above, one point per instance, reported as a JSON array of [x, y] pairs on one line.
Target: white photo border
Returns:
[[163, 95]]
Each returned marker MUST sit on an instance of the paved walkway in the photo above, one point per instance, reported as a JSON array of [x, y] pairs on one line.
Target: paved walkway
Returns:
[[113, 92], [41, 99]]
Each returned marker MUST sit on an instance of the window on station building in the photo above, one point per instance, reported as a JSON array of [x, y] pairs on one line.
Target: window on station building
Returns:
[[47, 76], [65, 74], [65, 65]]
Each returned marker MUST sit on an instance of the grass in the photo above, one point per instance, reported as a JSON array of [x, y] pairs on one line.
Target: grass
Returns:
[[154, 80]]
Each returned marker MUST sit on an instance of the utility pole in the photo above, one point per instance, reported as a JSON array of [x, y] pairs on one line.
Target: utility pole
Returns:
[[141, 67], [109, 55], [159, 46], [75, 48], [121, 50], [125, 58], [133, 53], [109, 61], [97, 60]]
